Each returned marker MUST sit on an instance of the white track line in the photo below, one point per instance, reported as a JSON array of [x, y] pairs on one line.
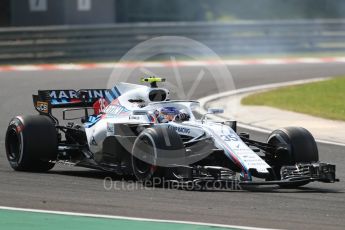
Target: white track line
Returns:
[[203, 101], [340, 59], [70, 67], [27, 68], [128, 218], [310, 60], [266, 131], [201, 63]]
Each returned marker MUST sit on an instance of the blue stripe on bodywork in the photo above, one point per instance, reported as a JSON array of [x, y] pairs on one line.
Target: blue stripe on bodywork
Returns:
[[112, 94], [108, 97], [117, 90], [92, 121], [54, 102]]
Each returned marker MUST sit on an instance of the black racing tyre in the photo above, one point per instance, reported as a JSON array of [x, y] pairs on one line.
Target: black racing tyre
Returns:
[[31, 142], [301, 148], [154, 150], [300, 143]]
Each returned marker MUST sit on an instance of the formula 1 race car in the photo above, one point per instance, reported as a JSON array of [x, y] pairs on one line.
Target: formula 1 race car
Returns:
[[137, 130]]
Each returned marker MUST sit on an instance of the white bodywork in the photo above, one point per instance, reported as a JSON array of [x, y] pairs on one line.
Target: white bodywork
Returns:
[[120, 110]]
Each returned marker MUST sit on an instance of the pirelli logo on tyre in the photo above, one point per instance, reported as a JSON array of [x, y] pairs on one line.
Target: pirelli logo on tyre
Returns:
[[42, 106]]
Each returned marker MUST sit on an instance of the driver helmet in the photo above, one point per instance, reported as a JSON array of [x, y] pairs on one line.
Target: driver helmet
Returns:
[[169, 113]]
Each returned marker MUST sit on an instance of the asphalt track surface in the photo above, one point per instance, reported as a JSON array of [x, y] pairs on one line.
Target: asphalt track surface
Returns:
[[315, 206]]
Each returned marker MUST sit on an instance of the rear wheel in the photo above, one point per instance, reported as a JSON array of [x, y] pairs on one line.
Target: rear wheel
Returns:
[[293, 145], [31, 142]]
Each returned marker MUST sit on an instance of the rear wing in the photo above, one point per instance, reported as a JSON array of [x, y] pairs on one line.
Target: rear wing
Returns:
[[46, 100]]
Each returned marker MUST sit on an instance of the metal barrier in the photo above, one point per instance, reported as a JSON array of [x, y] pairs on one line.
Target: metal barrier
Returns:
[[63, 43]]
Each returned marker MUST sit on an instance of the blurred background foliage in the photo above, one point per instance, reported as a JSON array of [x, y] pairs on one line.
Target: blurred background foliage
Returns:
[[227, 10], [197, 10]]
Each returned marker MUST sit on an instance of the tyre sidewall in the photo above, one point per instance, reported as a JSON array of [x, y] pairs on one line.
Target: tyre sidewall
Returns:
[[300, 144], [39, 143], [15, 126], [301, 148], [164, 154]]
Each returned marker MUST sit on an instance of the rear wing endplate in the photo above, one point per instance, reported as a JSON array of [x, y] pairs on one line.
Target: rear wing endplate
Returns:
[[46, 100]]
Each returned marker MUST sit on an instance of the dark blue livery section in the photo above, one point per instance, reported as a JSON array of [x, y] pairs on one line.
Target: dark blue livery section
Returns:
[[74, 98]]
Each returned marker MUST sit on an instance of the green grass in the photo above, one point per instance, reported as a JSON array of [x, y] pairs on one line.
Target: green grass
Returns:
[[24, 220], [323, 99]]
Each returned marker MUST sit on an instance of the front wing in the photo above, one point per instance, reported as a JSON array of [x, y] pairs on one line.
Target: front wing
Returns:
[[222, 178]]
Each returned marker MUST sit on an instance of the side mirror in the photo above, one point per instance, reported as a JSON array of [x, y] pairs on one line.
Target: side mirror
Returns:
[[211, 111], [215, 111]]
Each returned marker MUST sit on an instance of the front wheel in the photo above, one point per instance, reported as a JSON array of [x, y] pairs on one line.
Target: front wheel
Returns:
[[293, 145], [31, 142]]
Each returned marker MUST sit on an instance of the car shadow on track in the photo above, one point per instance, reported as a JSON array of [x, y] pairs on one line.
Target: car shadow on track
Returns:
[[90, 173], [277, 189]]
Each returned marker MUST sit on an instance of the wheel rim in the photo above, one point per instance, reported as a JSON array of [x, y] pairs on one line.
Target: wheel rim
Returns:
[[14, 145]]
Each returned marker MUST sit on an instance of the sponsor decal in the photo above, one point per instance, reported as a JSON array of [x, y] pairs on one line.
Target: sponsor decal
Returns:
[[42, 106], [140, 113], [134, 118], [72, 94], [100, 105], [229, 137], [181, 129]]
